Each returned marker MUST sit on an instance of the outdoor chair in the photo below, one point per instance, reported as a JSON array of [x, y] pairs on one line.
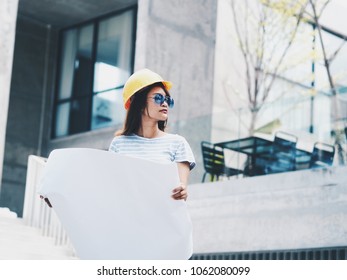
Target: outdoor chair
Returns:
[[282, 157], [214, 162], [322, 155]]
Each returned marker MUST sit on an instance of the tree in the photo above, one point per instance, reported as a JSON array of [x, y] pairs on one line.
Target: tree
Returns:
[[265, 32], [337, 131]]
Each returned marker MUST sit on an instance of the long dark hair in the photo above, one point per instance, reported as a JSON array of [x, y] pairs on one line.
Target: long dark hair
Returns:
[[138, 104]]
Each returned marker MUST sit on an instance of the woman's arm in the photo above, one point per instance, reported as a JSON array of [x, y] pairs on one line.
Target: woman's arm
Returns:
[[183, 172]]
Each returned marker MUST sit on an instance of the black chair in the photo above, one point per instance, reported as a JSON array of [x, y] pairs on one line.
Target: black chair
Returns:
[[282, 157], [214, 162], [322, 155]]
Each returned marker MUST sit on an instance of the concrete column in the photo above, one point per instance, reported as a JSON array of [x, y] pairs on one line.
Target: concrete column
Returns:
[[8, 17], [177, 40]]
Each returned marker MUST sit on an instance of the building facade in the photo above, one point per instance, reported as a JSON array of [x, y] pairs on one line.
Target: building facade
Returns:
[[71, 60]]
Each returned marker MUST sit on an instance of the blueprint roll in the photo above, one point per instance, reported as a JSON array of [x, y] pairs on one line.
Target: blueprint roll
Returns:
[[115, 207]]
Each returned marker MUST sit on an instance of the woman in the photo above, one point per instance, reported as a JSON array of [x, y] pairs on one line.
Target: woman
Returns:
[[147, 101]]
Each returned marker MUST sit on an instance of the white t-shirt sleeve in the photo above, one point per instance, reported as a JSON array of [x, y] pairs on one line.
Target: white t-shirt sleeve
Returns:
[[184, 153]]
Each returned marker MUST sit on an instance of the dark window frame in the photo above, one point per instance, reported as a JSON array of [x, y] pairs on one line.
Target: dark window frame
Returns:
[[95, 22]]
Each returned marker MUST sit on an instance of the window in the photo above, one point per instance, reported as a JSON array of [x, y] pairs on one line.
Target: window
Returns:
[[95, 61], [311, 106], [301, 97]]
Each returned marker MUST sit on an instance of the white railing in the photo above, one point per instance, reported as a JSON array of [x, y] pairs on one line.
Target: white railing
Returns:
[[36, 212]]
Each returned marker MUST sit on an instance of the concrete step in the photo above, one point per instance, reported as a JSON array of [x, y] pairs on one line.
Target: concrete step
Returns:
[[21, 242]]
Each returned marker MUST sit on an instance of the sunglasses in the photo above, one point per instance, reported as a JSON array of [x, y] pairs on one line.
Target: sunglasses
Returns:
[[160, 99]]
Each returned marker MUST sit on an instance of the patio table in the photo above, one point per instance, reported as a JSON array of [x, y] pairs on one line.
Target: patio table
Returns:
[[260, 153]]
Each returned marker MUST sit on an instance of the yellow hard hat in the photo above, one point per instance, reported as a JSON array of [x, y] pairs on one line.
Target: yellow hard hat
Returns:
[[139, 80]]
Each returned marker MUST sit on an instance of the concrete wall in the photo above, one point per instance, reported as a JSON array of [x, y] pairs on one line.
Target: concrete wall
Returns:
[[30, 78], [8, 16], [302, 209]]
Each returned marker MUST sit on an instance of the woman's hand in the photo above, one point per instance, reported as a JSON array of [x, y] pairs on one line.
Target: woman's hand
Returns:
[[180, 192]]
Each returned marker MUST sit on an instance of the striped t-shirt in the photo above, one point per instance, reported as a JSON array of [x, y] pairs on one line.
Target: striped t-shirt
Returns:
[[168, 148]]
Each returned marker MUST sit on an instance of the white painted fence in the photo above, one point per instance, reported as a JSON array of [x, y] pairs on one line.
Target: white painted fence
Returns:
[[36, 212]]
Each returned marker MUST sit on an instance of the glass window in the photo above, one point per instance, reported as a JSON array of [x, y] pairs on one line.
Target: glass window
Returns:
[[96, 60], [301, 97]]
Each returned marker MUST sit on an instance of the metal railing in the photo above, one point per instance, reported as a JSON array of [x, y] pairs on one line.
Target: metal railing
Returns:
[[36, 212], [332, 253]]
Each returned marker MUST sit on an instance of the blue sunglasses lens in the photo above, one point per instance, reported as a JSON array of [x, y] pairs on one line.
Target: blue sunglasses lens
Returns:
[[160, 99]]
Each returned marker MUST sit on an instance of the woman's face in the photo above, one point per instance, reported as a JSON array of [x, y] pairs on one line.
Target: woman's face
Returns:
[[156, 111]]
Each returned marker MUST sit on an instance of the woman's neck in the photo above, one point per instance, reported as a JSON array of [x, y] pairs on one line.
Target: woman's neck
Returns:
[[149, 131]]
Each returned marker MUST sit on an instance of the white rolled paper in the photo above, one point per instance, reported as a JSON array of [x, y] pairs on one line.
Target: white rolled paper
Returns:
[[117, 207]]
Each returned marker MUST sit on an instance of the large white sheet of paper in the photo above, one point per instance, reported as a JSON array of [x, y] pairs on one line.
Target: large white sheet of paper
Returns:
[[117, 207]]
